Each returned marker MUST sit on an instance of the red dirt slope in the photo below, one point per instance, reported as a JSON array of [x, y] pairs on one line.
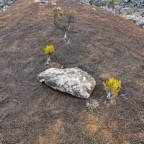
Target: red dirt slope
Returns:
[[101, 43]]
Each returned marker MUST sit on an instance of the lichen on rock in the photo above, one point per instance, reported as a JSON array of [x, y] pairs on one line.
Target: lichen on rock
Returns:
[[70, 80]]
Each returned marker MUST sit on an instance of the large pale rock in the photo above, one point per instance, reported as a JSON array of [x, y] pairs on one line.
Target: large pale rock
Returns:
[[70, 80]]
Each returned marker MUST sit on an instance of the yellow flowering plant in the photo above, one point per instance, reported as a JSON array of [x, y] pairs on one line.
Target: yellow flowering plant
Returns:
[[49, 50], [112, 3], [112, 87]]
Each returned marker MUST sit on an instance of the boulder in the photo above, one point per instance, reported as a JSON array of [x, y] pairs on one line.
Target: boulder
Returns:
[[70, 80]]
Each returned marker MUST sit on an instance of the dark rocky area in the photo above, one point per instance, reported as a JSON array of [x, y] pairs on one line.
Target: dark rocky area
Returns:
[[5, 4], [132, 10]]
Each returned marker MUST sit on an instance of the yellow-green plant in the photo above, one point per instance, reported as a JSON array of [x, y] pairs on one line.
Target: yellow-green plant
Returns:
[[70, 17], [92, 104], [62, 20], [112, 3], [112, 87], [49, 50]]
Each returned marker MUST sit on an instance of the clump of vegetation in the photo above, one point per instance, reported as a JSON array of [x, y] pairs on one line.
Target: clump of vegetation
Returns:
[[62, 20], [49, 50], [112, 3], [92, 104], [112, 87]]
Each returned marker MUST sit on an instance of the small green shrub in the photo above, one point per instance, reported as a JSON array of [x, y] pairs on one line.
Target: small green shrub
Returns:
[[49, 50], [112, 87], [112, 3], [62, 20], [92, 104]]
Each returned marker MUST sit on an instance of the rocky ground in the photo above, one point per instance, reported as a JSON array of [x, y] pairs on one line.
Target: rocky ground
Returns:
[[5, 4], [100, 43], [130, 9]]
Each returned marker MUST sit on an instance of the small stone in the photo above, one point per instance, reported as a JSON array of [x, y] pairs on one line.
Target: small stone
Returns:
[[41, 1], [70, 80], [53, 3], [141, 23]]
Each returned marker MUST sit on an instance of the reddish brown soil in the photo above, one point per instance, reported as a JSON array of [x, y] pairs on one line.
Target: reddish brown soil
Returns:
[[101, 43]]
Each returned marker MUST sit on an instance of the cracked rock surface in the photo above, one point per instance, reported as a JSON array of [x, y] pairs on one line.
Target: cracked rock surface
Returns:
[[70, 80]]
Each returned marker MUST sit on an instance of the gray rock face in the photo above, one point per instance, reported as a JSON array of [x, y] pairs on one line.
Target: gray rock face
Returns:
[[133, 10], [4, 4], [70, 80]]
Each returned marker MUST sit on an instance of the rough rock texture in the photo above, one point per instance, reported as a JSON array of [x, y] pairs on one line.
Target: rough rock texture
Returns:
[[131, 9], [4, 4], [102, 44], [71, 80]]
